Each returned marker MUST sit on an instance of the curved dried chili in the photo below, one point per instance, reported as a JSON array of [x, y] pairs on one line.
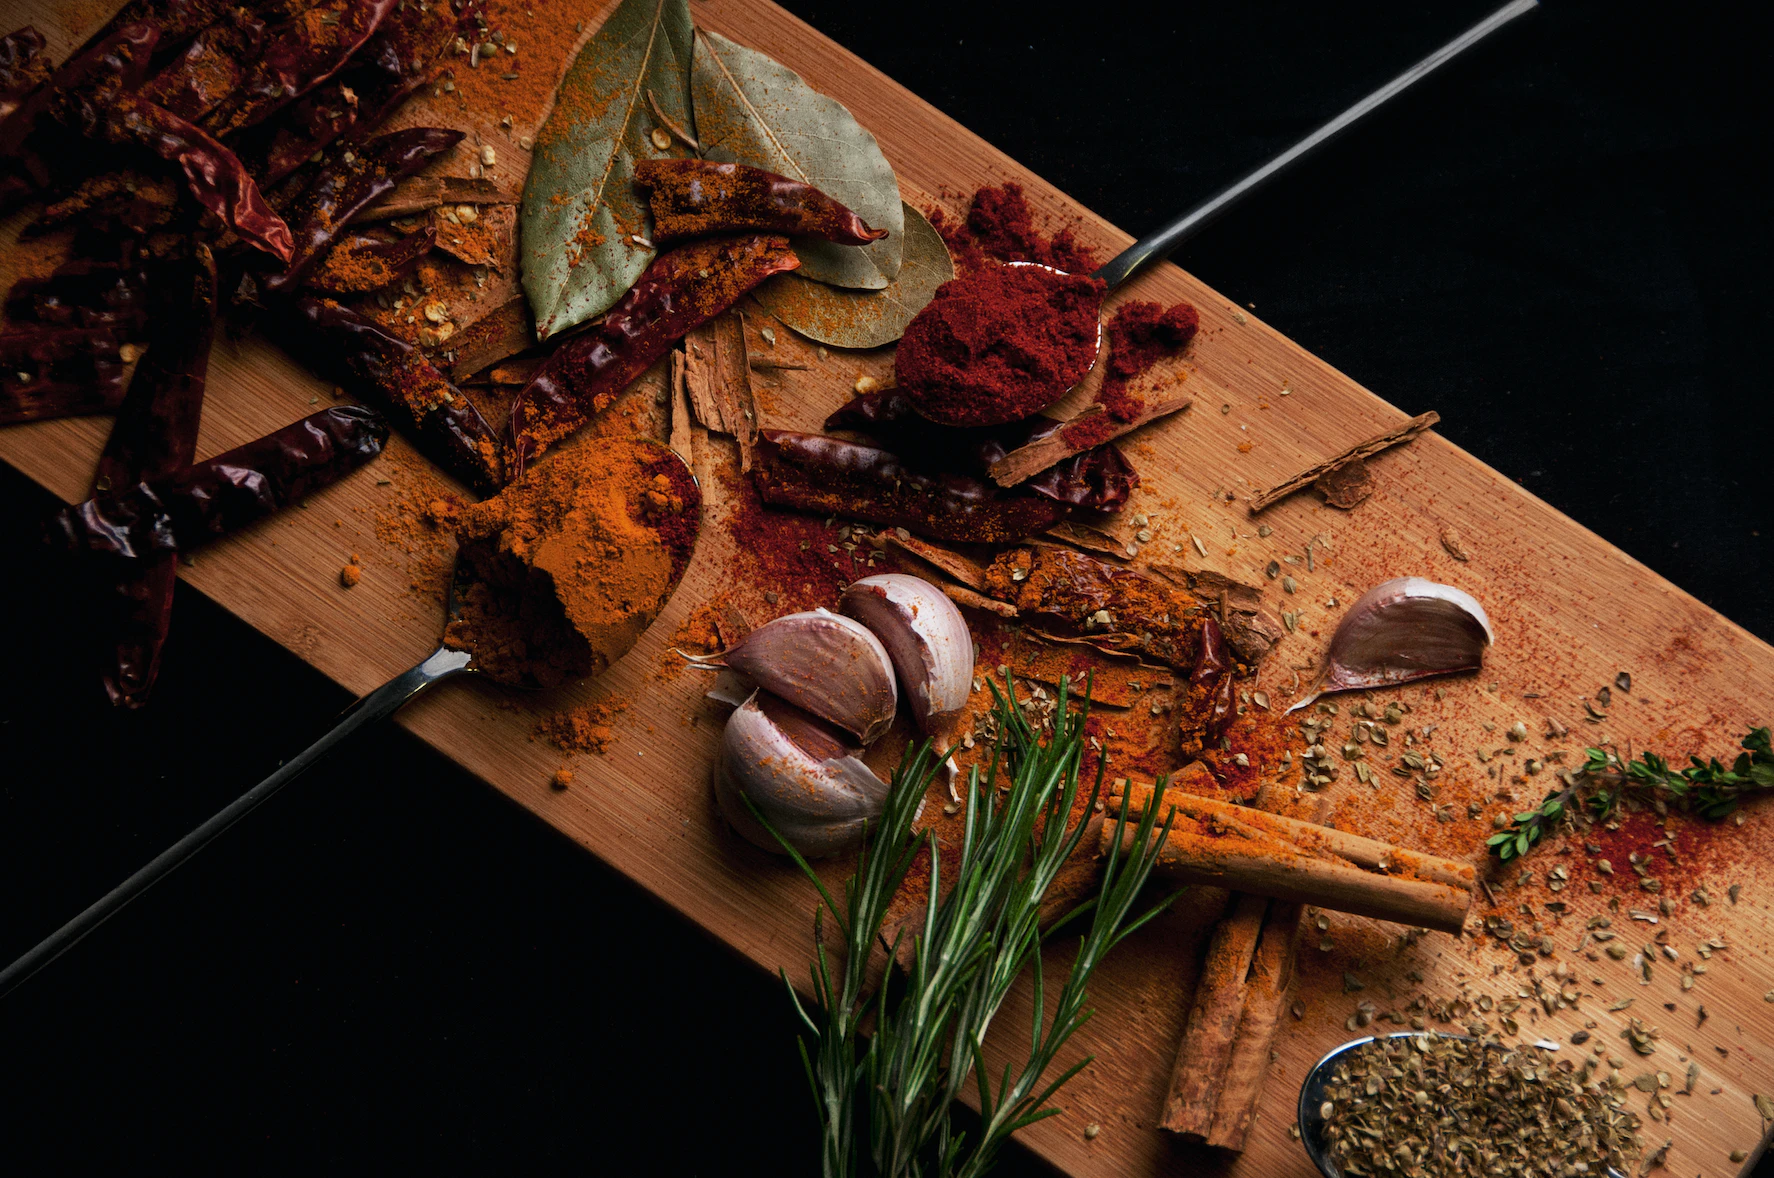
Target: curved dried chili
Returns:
[[225, 493], [392, 66], [694, 198], [23, 67], [682, 289], [829, 476], [154, 436], [348, 185], [299, 56], [381, 367], [210, 67]]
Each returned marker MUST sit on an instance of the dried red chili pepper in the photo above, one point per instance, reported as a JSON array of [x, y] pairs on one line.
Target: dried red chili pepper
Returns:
[[388, 370], [225, 493], [298, 57], [1115, 607], [23, 67], [213, 174], [44, 366], [1207, 710], [155, 436], [119, 61], [1100, 479], [362, 262], [172, 20], [829, 476], [349, 184], [694, 198], [45, 399], [392, 66], [682, 289], [209, 68], [85, 292]]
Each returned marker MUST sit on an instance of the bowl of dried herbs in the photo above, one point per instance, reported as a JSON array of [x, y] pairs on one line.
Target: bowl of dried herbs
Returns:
[[1422, 1104]]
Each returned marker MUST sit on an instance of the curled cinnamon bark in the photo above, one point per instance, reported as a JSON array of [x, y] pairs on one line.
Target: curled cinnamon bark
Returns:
[[694, 197]]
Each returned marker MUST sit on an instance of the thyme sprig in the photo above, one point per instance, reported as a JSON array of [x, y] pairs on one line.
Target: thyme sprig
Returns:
[[897, 1092], [1707, 788]]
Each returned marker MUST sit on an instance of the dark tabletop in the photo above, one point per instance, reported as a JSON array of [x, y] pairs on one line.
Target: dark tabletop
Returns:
[[1560, 244]]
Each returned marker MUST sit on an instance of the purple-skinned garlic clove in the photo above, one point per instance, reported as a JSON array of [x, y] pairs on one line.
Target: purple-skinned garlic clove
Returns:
[[823, 663], [803, 774], [1399, 631], [925, 636]]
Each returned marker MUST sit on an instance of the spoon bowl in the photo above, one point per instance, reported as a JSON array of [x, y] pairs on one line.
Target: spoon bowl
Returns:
[[679, 534], [1309, 1112]]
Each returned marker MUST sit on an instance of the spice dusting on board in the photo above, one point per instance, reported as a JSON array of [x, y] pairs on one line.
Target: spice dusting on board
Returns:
[[585, 729], [1000, 226]]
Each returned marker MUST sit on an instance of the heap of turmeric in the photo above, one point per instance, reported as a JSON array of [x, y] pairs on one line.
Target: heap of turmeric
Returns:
[[569, 565]]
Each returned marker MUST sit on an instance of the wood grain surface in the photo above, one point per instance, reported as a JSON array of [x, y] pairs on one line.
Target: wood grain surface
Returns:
[[1570, 610]]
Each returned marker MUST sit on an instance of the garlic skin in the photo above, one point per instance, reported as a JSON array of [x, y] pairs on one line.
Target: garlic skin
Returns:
[[1402, 630], [825, 664], [801, 773], [925, 636]]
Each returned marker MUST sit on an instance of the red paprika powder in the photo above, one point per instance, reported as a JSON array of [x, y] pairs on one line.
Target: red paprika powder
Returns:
[[999, 224], [1138, 336], [999, 344]]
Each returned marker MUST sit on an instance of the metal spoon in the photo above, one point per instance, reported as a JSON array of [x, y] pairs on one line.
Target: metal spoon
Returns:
[[1311, 1121], [443, 663], [1163, 241]]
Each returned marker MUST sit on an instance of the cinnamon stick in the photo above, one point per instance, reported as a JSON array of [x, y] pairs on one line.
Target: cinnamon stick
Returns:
[[964, 569], [1232, 847], [420, 193], [1361, 450], [498, 335], [1265, 997], [1213, 1019], [717, 376], [1026, 462]]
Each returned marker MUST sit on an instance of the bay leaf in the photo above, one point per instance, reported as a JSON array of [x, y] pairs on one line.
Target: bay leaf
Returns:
[[864, 318], [753, 110], [581, 209]]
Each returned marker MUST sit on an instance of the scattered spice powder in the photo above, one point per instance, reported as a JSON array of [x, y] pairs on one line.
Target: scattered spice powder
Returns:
[[352, 573], [585, 729], [1139, 335], [1000, 225], [563, 777]]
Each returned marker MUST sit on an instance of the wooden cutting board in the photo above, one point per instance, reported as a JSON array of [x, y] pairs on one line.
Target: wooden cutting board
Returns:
[[1571, 612]]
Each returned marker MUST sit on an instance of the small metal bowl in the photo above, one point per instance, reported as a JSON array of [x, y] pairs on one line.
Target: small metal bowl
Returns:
[[1312, 1099]]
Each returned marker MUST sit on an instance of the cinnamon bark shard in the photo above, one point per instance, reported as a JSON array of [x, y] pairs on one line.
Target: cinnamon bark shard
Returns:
[[495, 336], [1346, 487], [1028, 461], [1356, 453], [1209, 1035], [422, 193], [964, 569], [717, 377]]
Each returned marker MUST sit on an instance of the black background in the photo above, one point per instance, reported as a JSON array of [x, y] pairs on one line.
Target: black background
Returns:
[[1560, 243]]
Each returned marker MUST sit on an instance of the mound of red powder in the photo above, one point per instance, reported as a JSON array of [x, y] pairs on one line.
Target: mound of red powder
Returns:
[[1000, 344]]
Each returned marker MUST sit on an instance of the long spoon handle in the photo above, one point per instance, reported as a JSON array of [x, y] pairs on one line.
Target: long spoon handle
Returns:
[[377, 705], [1162, 242]]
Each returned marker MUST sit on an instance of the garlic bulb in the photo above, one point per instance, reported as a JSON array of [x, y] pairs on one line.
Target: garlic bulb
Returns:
[[801, 773], [1402, 630], [925, 636], [825, 664]]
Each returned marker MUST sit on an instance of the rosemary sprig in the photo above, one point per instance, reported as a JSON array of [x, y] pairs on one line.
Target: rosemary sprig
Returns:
[[1706, 788], [972, 944]]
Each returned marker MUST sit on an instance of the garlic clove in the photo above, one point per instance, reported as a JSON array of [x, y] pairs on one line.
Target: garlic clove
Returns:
[[825, 664], [730, 688], [925, 636], [1403, 630], [801, 772]]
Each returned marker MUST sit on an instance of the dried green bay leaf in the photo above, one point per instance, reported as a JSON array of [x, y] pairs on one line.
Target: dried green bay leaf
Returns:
[[581, 209], [753, 110], [864, 318]]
